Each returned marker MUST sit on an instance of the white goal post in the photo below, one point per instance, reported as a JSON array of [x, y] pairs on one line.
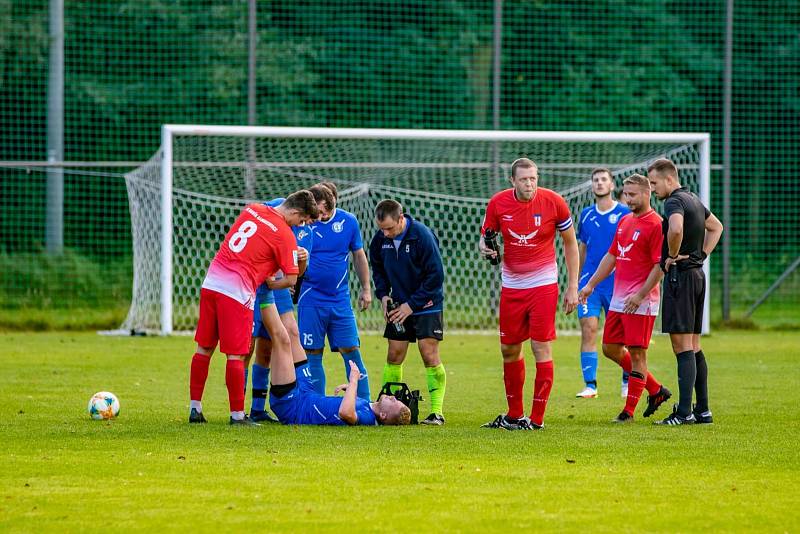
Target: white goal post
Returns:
[[183, 200]]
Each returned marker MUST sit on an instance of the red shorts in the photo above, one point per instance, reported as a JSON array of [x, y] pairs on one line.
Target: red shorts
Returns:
[[629, 329], [225, 320], [528, 314]]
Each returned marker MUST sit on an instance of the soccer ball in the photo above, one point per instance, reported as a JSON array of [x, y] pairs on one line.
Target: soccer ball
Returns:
[[103, 405]]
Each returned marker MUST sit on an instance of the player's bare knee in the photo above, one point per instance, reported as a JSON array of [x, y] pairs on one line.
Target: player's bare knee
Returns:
[[263, 353], [205, 351], [432, 360], [680, 343], [612, 352], [347, 350], [429, 351], [511, 353], [638, 356], [588, 330], [292, 330], [281, 339], [395, 356], [542, 350]]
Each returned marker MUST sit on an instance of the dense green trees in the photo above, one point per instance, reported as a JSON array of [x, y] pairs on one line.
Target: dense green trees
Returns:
[[132, 65]]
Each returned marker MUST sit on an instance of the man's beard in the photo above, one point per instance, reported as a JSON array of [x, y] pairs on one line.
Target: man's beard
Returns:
[[598, 197]]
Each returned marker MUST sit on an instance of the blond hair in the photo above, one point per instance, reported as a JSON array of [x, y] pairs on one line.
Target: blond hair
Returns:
[[637, 179], [402, 417]]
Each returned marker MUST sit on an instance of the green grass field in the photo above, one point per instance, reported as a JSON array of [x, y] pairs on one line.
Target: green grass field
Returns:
[[148, 469]]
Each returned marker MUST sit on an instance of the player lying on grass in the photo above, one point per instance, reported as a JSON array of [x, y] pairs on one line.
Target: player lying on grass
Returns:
[[294, 401], [635, 253]]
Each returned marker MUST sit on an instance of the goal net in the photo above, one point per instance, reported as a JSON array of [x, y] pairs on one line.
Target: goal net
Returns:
[[184, 199]]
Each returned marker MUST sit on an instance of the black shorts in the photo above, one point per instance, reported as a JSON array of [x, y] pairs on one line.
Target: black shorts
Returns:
[[428, 325], [682, 302]]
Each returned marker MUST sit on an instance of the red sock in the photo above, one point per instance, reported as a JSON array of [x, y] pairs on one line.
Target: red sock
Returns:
[[541, 390], [234, 380], [652, 385], [198, 375], [635, 388], [514, 378]]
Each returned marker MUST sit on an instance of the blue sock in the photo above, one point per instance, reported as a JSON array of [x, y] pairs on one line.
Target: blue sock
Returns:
[[317, 372], [260, 381], [363, 382], [246, 369], [625, 376], [589, 368]]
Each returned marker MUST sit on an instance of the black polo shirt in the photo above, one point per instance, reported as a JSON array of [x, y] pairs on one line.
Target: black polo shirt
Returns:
[[694, 214]]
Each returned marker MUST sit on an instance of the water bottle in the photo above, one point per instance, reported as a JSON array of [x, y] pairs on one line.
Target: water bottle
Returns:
[[391, 306], [490, 238]]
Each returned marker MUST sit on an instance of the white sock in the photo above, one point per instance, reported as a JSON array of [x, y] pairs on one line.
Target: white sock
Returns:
[[238, 416], [197, 405]]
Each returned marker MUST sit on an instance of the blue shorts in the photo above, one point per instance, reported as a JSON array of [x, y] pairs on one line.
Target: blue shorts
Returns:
[[338, 323], [282, 300], [600, 298], [288, 407]]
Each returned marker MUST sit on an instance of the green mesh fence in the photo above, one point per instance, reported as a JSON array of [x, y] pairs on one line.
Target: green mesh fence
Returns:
[[130, 66]]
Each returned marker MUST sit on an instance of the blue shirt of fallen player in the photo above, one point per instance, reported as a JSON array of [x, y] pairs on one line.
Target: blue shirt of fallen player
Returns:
[[325, 284], [303, 406], [305, 239], [409, 267], [596, 230]]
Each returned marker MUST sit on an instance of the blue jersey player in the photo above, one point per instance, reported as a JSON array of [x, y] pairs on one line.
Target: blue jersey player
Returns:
[[294, 400], [281, 299], [323, 306], [596, 227]]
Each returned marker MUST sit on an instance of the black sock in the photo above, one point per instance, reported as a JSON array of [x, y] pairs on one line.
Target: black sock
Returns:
[[687, 373], [701, 382]]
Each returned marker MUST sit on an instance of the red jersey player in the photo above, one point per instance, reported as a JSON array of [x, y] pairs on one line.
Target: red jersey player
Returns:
[[258, 244], [636, 253], [528, 218]]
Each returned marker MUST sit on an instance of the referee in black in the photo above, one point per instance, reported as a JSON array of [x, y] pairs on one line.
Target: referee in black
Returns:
[[691, 232], [408, 275]]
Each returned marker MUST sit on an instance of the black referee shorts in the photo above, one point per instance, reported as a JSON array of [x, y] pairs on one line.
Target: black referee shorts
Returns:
[[682, 302], [428, 325]]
